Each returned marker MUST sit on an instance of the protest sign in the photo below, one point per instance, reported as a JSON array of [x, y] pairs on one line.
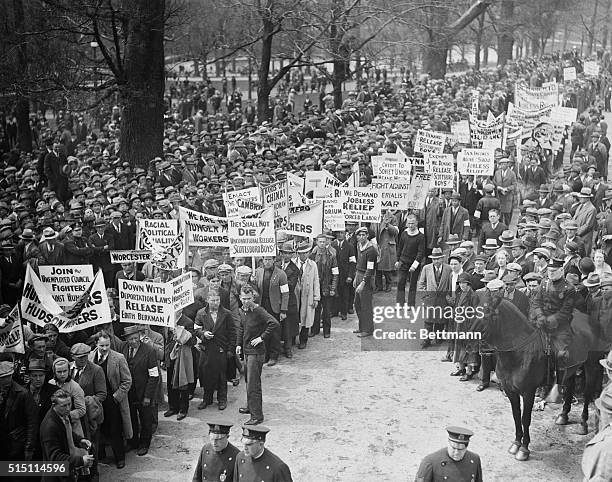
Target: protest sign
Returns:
[[565, 115], [39, 307], [361, 204], [476, 162], [66, 283], [417, 192], [203, 229], [569, 73], [333, 214], [182, 291], [248, 206], [275, 196], [146, 303], [320, 183], [461, 131], [305, 219], [489, 132], [442, 170], [537, 97], [390, 166], [419, 164], [475, 103], [158, 231], [429, 141], [11, 333], [591, 68], [230, 198], [130, 256], [296, 181], [170, 256], [252, 236], [393, 192]]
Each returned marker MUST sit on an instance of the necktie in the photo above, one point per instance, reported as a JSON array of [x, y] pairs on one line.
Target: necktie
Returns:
[[131, 353], [301, 269], [68, 426], [76, 374]]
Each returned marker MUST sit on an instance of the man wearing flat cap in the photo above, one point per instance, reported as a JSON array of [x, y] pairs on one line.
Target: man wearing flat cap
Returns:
[[217, 457], [454, 462], [257, 463]]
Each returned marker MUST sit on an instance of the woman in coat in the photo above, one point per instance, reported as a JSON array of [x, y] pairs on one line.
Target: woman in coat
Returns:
[[465, 351], [307, 291], [62, 379], [117, 424]]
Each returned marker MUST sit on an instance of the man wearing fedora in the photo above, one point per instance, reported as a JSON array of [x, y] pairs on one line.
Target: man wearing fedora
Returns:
[[455, 220], [505, 183], [51, 250], [27, 248], [454, 462], [102, 242], [433, 286], [142, 362], [584, 218], [290, 325], [597, 456]]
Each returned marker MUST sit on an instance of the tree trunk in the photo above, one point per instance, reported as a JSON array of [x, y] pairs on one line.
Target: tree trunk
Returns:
[[263, 86], [338, 78], [434, 60], [606, 27], [535, 46], [592, 29], [485, 54], [505, 37], [477, 54], [564, 48], [478, 42], [142, 92], [22, 107]]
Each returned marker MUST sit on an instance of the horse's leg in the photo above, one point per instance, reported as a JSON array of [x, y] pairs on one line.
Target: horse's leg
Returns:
[[528, 400], [515, 402], [568, 396], [593, 374]]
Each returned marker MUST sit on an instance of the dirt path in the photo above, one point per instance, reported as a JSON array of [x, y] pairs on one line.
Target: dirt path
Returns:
[[338, 413]]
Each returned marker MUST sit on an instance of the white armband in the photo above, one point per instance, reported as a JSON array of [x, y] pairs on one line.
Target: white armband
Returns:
[[284, 288], [466, 223], [370, 265], [335, 270], [477, 214], [153, 372], [352, 259], [415, 264], [421, 230]]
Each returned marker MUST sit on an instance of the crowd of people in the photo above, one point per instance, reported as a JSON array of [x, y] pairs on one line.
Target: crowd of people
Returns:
[[74, 199]]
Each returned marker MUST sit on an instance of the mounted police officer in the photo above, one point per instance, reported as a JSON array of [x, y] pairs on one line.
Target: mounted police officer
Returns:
[[552, 307]]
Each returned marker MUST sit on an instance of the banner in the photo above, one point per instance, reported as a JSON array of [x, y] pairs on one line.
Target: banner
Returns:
[[158, 231], [429, 141], [393, 193], [536, 98], [168, 256], [591, 68], [442, 170], [252, 236], [390, 166], [146, 303], [361, 204], [489, 132], [569, 73], [476, 162], [461, 131], [306, 220], [182, 291], [130, 256], [11, 333], [275, 196], [566, 115], [66, 283], [520, 122], [417, 192], [39, 307], [333, 214], [203, 229], [230, 197]]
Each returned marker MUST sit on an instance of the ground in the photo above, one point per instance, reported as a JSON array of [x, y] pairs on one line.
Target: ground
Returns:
[[338, 413]]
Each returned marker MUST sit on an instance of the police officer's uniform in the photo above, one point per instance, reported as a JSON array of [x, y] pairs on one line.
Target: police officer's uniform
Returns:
[[213, 465], [265, 468]]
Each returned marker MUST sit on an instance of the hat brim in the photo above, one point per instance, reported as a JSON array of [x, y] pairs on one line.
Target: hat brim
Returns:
[[436, 256], [53, 236]]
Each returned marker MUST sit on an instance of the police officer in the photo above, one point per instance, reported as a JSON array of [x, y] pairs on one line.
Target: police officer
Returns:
[[256, 463], [552, 307], [366, 259], [454, 462], [218, 456]]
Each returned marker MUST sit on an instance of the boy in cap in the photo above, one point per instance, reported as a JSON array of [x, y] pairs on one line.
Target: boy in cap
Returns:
[[255, 462], [218, 456], [454, 462]]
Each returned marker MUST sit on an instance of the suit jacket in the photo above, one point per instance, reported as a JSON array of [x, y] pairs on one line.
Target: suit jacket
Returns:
[[119, 378], [144, 371], [223, 328], [430, 218], [458, 224], [563, 239], [55, 447], [533, 180], [123, 239], [427, 281], [585, 218], [101, 257], [76, 251], [598, 196], [506, 180], [347, 260], [293, 278], [488, 232], [19, 424], [48, 258], [279, 289], [469, 197], [93, 382]]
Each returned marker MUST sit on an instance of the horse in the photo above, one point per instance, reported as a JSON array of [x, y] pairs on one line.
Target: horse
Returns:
[[522, 361]]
